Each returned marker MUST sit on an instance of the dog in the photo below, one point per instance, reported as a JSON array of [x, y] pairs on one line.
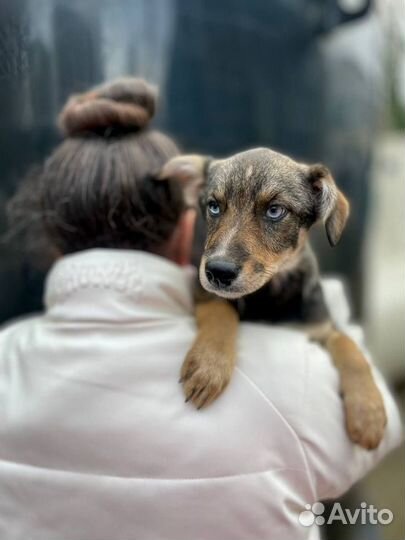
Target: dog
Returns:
[[258, 265]]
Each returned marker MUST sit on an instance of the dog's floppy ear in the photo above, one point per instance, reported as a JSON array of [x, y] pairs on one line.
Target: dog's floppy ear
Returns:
[[331, 205], [191, 171]]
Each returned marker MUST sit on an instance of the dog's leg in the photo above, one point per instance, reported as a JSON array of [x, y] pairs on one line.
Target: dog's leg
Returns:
[[209, 364], [364, 407]]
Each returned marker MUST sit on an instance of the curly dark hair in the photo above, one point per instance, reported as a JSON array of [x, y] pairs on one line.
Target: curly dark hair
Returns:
[[98, 188]]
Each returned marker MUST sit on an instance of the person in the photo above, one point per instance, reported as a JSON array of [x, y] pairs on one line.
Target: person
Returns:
[[96, 441]]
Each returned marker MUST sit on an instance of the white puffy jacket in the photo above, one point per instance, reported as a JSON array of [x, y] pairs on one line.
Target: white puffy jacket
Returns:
[[96, 442]]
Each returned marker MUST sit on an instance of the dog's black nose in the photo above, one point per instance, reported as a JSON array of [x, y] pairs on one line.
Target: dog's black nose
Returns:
[[221, 273]]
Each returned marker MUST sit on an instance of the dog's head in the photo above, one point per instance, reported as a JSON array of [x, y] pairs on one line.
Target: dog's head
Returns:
[[259, 206]]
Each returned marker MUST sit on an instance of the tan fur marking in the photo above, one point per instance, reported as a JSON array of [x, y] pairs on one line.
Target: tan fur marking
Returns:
[[292, 257], [209, 364], [364, 407]]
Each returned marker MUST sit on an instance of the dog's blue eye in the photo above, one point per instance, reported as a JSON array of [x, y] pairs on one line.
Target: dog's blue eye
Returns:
[[213, 208], [275, 212]]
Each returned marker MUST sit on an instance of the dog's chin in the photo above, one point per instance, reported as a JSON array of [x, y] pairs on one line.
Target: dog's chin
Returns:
[[227, 293], [232, 292]]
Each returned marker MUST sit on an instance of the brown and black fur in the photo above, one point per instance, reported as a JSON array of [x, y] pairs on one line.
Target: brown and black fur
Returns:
[[258, 268]]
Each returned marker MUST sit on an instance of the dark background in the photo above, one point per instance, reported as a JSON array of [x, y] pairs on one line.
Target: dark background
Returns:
[[232, 75]]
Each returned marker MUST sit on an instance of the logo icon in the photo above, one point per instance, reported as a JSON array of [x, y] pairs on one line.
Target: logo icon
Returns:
[[312, 514]]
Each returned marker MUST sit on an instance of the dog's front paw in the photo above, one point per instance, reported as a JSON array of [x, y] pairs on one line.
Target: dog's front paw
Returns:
[[365, 416], [205, 374]]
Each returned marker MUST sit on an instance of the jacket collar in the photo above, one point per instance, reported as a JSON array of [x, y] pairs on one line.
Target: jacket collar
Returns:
[[118, 284]]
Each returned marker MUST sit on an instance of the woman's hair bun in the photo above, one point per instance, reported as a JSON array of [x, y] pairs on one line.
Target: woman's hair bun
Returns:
[[123, 105]]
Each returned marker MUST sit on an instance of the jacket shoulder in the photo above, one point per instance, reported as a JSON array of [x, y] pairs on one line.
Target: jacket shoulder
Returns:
[[14, 331], [274, 359], [300, 380]]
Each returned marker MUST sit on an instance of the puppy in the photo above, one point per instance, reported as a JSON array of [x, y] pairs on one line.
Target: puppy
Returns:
[[258, 265]]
